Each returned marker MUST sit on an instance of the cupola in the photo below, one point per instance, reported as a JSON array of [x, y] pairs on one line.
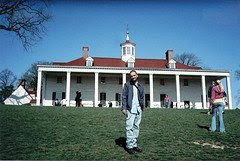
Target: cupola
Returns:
[[127, 49]]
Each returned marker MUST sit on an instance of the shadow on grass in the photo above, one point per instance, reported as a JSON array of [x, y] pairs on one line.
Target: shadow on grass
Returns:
[[121, 142], [203, 127]]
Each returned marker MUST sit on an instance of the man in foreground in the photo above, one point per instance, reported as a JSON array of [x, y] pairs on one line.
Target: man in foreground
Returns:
[[132, 107]]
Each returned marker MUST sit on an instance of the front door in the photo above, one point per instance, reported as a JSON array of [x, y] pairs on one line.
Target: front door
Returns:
[[147, 100], [103, 99], [162, 96]]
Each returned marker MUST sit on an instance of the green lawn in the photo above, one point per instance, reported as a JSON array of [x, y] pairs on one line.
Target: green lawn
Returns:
[[64, 133]]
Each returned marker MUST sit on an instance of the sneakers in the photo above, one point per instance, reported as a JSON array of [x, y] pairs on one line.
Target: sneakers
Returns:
[[134, 150], [130, 151]]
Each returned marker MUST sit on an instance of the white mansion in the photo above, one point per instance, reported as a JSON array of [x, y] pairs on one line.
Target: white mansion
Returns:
[[100, 80]]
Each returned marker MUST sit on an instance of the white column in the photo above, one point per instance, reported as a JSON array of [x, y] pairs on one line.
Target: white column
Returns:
[[204, 92], [124, 78], [151, 89], [229, 92], [43, 88], [178, 90], [39, 86], [68, 88], [96, 91]]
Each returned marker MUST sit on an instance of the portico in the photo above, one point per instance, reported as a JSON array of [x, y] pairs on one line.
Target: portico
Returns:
[[203, 77]]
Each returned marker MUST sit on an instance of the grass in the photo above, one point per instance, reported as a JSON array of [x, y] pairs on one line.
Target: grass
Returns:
[[61, 133]]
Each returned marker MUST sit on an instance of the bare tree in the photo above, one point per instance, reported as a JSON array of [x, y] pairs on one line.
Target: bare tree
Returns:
[[25, 18], [31, 75], [7, 78], [237, 73], [7, 81], [188, 59]]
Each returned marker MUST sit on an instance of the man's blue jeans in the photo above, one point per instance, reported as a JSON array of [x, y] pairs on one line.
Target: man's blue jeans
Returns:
[[217, 107], [132, 128]]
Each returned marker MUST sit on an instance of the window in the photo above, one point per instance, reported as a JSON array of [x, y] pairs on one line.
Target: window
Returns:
[[102, 96], [103, 99], [124, 50], [53, 95], [79, 80], [172, 65], [185, 82], [103, 80], [162, 82], [118, 99], [58, 95], [89, 63], [63, 95], [130, 64], [132, 51], [59, 79], [128, 50], [120, 80], [146, 80]]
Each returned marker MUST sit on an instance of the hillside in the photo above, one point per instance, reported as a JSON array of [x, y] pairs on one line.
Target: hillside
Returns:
[[63, 133]]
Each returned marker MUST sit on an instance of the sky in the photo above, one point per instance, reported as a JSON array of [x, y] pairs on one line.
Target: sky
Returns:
[[208, 29]]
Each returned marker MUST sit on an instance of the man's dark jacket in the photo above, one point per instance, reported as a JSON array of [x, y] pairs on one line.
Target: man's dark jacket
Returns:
[[127, 95]]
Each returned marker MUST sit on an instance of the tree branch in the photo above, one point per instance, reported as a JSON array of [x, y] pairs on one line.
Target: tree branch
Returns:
[[26, 18]]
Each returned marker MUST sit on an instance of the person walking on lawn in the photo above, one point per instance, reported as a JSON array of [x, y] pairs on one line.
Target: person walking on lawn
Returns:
[[132, 107]]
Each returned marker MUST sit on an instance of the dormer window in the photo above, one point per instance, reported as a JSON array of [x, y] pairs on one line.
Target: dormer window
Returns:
[[172, 64], [89, 62], [131, 64]]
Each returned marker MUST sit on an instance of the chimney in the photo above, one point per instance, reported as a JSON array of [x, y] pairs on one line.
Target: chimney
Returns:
[[85, 50], [169, 55], [21, 82]]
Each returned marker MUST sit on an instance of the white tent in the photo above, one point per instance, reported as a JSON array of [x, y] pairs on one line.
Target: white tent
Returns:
[[19, 97]]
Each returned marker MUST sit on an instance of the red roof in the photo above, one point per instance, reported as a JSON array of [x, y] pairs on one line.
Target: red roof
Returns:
[[117, 62]]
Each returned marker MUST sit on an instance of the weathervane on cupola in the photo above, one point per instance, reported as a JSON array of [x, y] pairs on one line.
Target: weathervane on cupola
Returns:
[[128, 50]]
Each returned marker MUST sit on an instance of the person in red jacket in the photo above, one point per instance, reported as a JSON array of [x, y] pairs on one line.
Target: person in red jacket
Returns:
[[217, 100]]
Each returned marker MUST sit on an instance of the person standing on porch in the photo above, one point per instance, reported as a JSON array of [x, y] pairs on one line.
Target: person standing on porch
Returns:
[[217, 99], [132, 107], [167, 101], [78, 98]]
